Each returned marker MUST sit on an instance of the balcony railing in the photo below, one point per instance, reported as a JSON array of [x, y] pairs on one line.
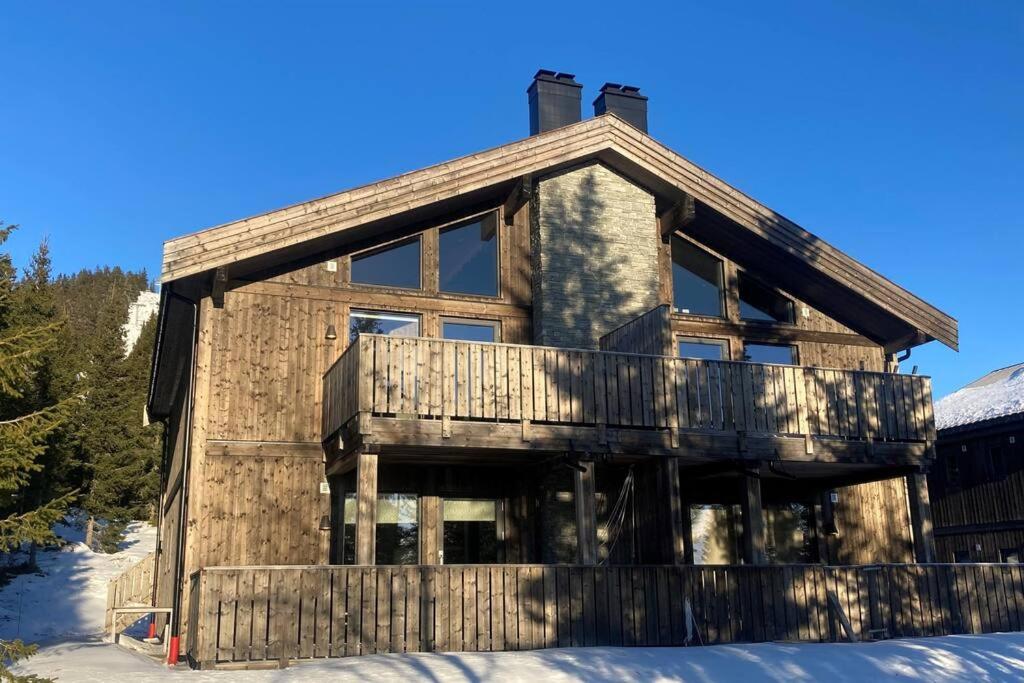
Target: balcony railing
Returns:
[[436, 379]]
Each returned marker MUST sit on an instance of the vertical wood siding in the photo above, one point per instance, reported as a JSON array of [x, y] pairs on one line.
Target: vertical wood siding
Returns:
[[252, 614]]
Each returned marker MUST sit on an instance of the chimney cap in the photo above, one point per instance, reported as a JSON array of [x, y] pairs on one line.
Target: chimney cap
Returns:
[[620, 90], [560, 77]]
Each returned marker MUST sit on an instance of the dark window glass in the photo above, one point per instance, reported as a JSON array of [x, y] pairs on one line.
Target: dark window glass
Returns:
[[769, 353], [394, 266], [790, 534], [961, 556], [397, 529], [470, 531], [380, 322], [469, 331], [705, 349], [469, 257], [1011, 555], [758, 302], [696, 280]]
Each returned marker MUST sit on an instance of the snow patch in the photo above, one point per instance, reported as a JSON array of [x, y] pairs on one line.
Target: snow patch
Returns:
[[997, 394]]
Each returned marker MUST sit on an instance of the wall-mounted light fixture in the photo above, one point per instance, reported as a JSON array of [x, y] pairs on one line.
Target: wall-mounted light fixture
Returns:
[[332, 333]]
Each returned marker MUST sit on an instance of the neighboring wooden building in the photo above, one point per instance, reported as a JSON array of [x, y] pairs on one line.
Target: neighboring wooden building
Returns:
[[577, 348], [977, 481]]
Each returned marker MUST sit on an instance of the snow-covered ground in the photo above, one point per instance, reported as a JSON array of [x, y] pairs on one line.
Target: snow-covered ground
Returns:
[[953, 658], [67, 599], [63, 610]]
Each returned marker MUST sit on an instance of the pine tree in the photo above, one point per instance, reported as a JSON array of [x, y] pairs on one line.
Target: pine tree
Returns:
[[124, 452], [24, 344]]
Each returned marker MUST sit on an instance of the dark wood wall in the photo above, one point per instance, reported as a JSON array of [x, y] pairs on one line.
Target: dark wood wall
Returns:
[[977, 491]]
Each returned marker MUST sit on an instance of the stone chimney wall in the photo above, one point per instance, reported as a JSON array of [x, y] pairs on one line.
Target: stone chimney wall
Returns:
[[595, 255]]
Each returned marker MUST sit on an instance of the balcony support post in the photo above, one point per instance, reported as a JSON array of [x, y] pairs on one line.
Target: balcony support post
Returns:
[[921, 517], [753, 518], [586, 513], [678, 537], [366, 507]]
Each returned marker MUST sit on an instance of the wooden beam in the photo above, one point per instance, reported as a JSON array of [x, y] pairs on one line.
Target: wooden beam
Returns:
[[679, 216], [366, 508], [753, 518], [921, 517], [219, 286], [520, 195], [586, 514], [915, 338], [679, 531]]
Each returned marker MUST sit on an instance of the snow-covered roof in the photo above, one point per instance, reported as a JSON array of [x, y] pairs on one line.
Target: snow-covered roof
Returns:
[[998, 394]]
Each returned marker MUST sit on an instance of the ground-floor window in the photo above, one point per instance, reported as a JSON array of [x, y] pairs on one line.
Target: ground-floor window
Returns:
[[397, 529], [471, 534], [1011, 555], [717, 531], [790, 538], [961, 556]]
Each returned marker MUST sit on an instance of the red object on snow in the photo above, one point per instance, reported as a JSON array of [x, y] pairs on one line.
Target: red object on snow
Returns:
[[152, 629], [172, 651]]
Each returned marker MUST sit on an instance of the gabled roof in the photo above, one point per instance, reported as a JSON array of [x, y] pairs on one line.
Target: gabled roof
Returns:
[[816, 270], [997, 395]]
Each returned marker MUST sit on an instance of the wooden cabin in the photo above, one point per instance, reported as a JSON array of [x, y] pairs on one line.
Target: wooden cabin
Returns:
[[578, 350], [977, 481]]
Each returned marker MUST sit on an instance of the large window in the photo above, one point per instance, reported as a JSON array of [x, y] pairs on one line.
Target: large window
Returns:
[[469, 257], [779, 354], [758, 302], [789, 531], [397, 529], [696, 280], [703, 348], [380, 322], [716, 531], [469, 330], [470, 531], [396, 265]]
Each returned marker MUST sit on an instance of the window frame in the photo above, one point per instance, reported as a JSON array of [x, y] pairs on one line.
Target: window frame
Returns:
[[380, 248], [723, 288], [354, 312], [499, 524], [720, 342], [794, 347], [462, 223], [455, 320], [757, 282]]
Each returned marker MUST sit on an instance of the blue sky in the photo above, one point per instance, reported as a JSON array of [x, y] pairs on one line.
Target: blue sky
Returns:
[[891, 129]]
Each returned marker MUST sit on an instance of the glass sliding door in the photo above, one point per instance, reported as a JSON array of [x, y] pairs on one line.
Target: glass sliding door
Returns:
[[471, 531], [397, 529]]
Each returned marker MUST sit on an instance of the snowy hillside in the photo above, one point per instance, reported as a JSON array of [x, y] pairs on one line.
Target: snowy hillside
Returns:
[[997, 394], [67, 599]]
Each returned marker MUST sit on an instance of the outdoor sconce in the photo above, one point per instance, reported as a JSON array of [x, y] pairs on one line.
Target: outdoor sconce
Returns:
[[325, 523], [332, 333]]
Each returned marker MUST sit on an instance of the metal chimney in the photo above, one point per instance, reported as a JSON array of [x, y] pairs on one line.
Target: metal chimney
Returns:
[[625, 101], [554, 101]]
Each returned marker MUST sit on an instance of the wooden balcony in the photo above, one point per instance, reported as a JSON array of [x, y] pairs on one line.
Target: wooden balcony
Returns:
[[416, 392]]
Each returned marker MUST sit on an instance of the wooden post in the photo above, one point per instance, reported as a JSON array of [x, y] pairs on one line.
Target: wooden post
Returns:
[[677, 536], [688, 557], [753, 518], [921, 517], [586, 514], [366, 507]]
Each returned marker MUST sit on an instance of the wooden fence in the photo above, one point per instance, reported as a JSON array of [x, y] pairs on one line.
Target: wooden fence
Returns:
[[433, 378], [132, 588], [253, 614]]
